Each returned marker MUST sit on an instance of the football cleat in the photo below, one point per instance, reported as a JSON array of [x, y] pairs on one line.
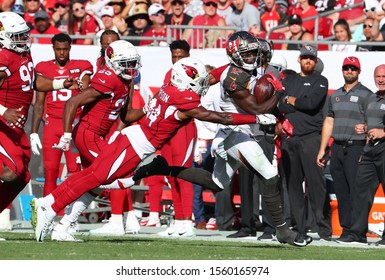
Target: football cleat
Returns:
[[149, 222], [158, 166], [287, 236], [114, 227], [42, 224], [132, 225], [66, 234]]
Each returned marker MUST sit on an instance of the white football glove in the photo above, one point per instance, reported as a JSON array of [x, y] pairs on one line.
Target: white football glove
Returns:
[[218, 148], [35, 143], [265, 119], [64, 143], [113, 137]]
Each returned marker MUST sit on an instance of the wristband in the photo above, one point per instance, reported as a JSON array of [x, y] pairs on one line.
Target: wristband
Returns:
[[243, 119], [58, 83], [2, 110], [67, 135]]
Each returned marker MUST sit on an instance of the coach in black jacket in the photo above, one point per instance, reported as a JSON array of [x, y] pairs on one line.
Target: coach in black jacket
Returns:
[[303, 108]]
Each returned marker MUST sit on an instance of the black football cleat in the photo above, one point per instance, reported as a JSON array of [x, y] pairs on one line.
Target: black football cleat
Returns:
[[158, 166]]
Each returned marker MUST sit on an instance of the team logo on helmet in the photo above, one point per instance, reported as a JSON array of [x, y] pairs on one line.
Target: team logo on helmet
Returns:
[[191, 71], [1, 26], [232, 46], [110, 52]]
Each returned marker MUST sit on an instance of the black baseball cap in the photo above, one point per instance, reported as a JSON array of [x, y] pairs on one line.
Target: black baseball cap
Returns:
[[295, 19]]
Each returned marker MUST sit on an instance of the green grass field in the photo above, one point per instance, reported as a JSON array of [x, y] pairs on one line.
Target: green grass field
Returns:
[[22, 246]]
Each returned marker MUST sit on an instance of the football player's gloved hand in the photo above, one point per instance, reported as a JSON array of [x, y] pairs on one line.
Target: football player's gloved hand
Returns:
[[275, 82], [64, 143], [265, 119], [218, 149], [113, 137], [35, 143]]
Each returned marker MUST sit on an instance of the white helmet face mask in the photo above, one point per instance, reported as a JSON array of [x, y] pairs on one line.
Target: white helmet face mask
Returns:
[[190, 73], [278, 61], [123, 58], [14, 32]]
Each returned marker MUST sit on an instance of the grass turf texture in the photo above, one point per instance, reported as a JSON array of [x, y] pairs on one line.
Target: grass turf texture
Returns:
[[23, 246]]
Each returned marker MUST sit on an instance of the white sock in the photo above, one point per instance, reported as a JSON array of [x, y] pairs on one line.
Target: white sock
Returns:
[[154, 216], [119, 184], [48, 200], [76, 208]]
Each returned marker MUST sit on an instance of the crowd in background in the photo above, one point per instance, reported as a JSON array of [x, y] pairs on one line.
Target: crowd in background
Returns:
[[150, 18], [284, 19]]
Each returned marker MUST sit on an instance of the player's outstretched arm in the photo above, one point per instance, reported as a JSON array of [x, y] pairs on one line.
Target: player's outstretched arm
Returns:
[[43, 83]]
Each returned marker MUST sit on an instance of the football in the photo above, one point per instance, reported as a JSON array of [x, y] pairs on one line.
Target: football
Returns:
[[263, 90]]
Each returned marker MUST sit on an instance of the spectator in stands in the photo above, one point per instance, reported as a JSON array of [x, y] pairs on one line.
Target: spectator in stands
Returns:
[[353, 16], [158, 28], [193, 8], [272, 15], [343, 34], [305, 10], [30, 8], [245, 17], [81, 23], [367, 30], [121, 11], [225, 8], [324, 5], [106, 15], [296, 33], [138, 22], [18, 8], [378, 28], [43, 26], [283, 5], [61, 15], [198, 38], [177, 17]]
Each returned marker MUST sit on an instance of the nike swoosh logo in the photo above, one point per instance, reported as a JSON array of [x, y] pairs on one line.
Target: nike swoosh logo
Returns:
[[180, 234], [170, 233], [234, 79], [103, 81], [321, 85], [188, 98]]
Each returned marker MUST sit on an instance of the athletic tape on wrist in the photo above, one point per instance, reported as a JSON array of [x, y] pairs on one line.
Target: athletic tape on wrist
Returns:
[[2, 110], [58, 83]]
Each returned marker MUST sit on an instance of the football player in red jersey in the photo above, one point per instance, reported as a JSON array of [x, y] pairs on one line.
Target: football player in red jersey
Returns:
[[102, 102], [17, 82], [51, 104], [173, 107]]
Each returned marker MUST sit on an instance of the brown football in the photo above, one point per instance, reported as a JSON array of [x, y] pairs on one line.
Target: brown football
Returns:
[[263, 90]]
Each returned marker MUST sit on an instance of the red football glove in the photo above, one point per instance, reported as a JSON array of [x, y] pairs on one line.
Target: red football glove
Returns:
[[275, 82]]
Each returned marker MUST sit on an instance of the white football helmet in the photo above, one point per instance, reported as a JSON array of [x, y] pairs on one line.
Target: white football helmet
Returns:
[[123, 58], [189, 73], [278, 61], [14, 32]]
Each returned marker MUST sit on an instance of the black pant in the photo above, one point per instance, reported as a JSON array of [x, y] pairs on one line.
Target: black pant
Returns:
[[370, 172], [299, 155], [250, 189], [343, 168]]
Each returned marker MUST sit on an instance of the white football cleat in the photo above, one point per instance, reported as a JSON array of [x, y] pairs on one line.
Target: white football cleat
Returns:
[[132, 223], [5, 220], [114, 227], [42, 224], [66, 234]]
